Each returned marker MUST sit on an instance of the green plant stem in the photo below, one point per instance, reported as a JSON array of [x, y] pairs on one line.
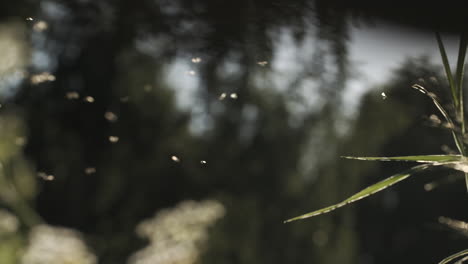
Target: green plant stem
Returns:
[[459, 77], [456, 88], [454, 256], [448, 71], [459, 83], [456, 137]]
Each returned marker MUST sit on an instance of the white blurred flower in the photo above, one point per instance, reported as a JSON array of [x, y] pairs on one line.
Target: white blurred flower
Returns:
[[56, 245], [177, 234]]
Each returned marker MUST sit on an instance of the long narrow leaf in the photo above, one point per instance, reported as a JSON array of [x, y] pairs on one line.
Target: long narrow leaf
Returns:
[[459, 81], [461, 65], [448, 71], [454, 256], [366, 192], [456, 138], [455, 225], [419, 158], [466, 180], [459, 76]]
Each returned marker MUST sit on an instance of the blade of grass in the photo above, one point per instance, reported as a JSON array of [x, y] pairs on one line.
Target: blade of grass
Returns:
[[459, 76], [461, 60], [459, 81], [466, 180], [455, 225], [365, 193], [420, 158], [448, 71], [454, 256], [456, 138]]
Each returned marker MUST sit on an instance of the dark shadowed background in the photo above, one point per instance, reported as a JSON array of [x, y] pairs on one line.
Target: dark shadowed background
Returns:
[[172, 131]]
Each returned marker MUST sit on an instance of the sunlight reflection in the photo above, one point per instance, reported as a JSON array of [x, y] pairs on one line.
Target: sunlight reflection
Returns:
[[40, 26], [384, 96], [222, 96], [185, 87], [89, 99], [110, 116], [90, 170], [113, 139], [196, 60], [72, 95], [175, 159], [45, 177], [191, 72], [42, 77]]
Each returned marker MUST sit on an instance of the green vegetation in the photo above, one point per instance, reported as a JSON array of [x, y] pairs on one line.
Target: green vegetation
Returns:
[[457, 129]]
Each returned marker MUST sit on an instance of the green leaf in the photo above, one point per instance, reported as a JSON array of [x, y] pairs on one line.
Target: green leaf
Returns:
[[448, 71], [466, 180], [454, 256], [365, 193], [456, 138], [461, 64], [459, 81], [420, 158]]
